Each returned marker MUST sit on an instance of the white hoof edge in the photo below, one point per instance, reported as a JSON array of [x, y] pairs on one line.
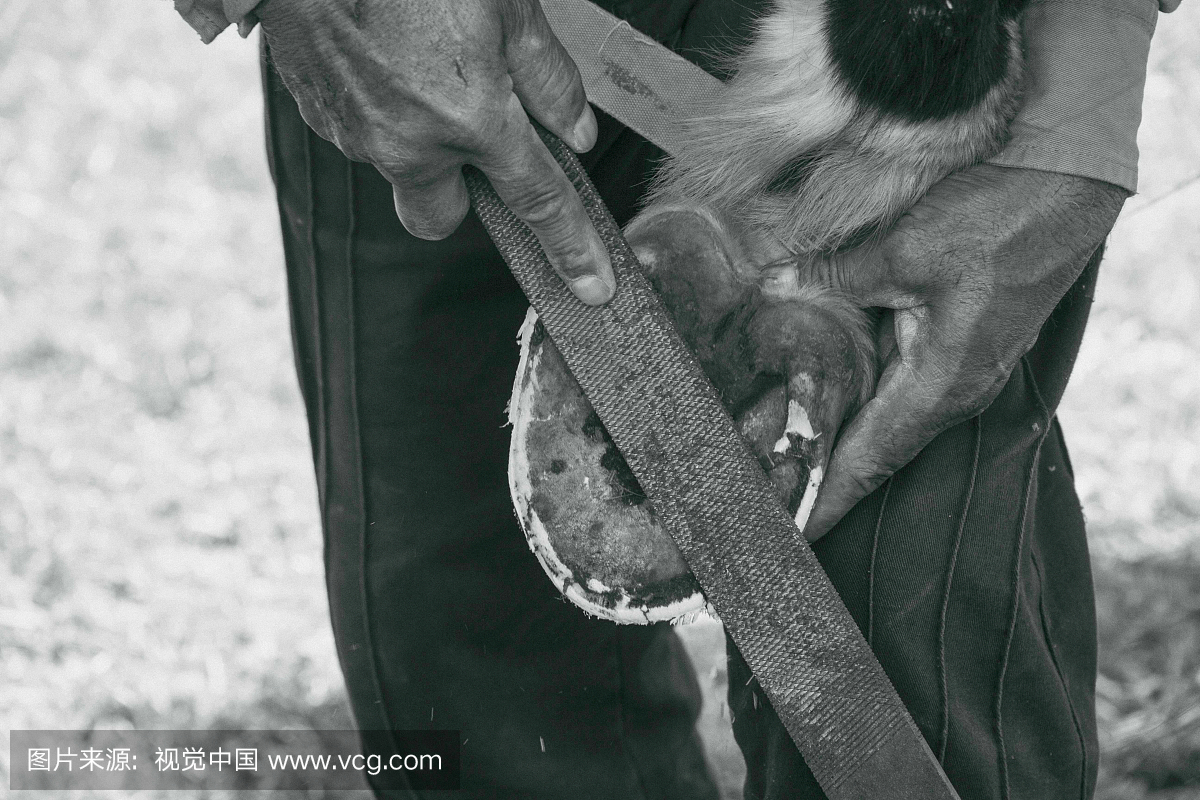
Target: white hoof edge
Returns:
[[595, 598]]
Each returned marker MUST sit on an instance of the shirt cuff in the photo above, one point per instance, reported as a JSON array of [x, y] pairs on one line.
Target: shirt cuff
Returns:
[[209, 17], [1085, 74]]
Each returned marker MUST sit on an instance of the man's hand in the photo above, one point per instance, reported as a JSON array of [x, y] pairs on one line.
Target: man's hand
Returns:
[[970, 275], [421, 87]]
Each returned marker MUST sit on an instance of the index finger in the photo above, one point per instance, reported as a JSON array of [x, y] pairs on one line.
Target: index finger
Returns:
[[886, 433], [533, 185]]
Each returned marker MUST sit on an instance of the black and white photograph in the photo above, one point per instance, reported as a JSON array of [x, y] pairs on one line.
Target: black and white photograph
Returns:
[[600, 399]]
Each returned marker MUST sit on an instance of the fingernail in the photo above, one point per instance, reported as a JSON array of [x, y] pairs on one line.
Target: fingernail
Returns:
[[599, 285], [592, 290], [583, 137]]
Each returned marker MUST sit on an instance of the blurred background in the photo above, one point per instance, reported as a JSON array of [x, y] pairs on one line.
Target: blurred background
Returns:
[[160, 557]]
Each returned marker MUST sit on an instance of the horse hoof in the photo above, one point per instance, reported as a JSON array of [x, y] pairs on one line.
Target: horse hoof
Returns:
[[785, 365]]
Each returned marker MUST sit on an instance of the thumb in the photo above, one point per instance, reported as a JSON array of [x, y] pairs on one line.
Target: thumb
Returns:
[[545, 78]]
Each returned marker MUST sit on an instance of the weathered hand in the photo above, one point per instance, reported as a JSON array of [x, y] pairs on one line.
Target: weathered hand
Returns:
[[970, 274], [421, 87]]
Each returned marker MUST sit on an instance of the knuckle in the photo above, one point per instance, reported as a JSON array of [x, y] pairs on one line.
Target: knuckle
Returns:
[[473, 127], [562, 98], [964, 411], [839, 272], [991, 383], [353, 148], [536, 40], [426, 215], [463, 119], [378, 142], [403, 178], [315, 117], [542, 206], [544, 74], [974, 396], [541, 197], [862, 482], [522, 20], [369, 146], [992, 373], [821, 271], [906, 245]]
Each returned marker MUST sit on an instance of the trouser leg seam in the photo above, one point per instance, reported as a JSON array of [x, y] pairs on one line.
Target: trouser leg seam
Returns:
[[944, 735], [1044, 422], [887, 490], [1062, 681]]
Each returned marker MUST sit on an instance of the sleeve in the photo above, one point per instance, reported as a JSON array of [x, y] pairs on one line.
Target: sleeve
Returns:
[[1085, 74], [210, 17]]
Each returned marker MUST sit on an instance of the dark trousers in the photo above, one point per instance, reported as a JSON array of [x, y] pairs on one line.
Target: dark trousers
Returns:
[[968, 571]]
